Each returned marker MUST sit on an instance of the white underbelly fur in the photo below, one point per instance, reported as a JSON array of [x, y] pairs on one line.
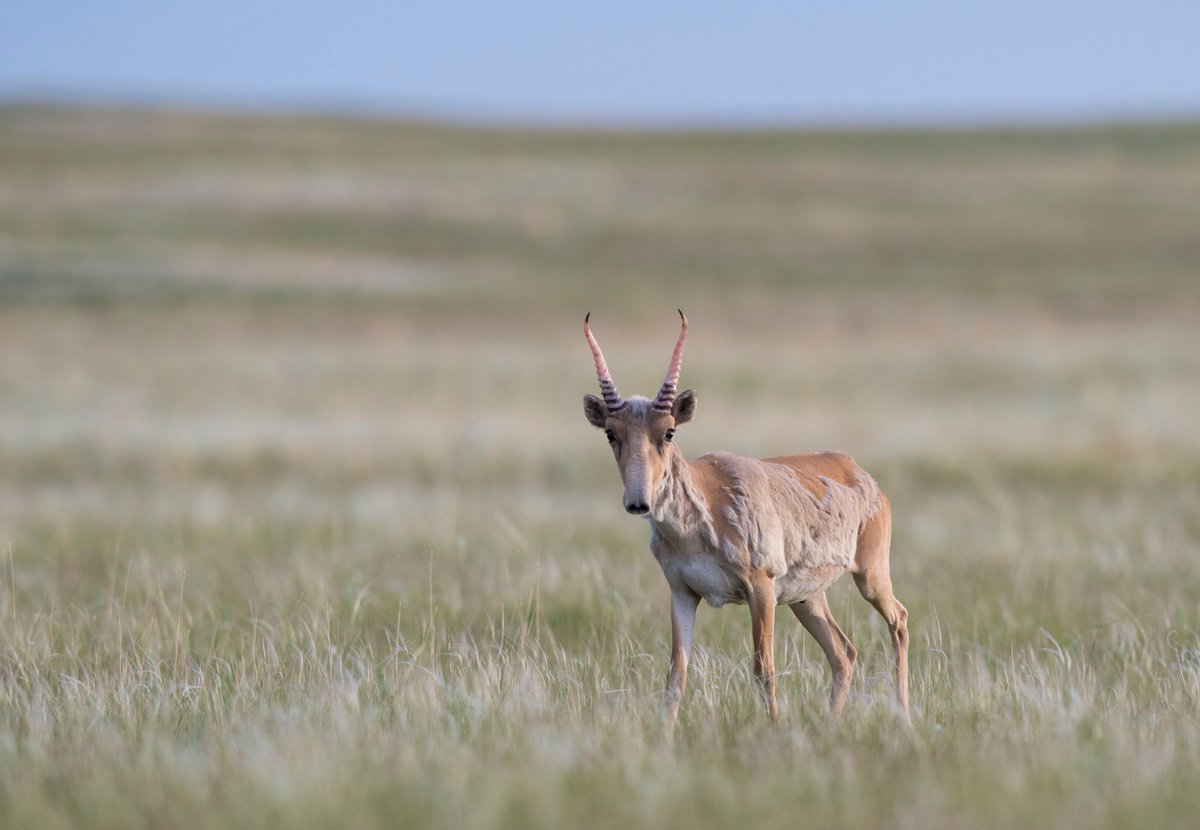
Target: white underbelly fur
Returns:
[[708, 577], [800, 583]]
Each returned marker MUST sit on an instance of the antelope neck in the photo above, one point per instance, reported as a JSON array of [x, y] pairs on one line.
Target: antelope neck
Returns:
[[680, 508]]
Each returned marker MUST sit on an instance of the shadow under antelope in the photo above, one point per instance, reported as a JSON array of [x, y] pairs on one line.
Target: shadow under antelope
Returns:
[[761, 531]]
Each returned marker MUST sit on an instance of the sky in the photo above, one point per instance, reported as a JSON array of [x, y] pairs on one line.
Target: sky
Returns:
[[654, 63]]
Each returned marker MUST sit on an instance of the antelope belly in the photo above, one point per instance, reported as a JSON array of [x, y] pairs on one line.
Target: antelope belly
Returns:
[[803, 583]]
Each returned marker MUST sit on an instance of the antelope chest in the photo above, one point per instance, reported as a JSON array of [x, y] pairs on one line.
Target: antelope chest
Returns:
[[688, 564], [703, 574]]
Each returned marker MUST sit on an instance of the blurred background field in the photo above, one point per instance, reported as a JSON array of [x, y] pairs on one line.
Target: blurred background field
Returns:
[[303, 525]]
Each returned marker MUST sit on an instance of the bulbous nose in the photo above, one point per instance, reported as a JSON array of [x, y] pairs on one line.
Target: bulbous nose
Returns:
[[637, 508]]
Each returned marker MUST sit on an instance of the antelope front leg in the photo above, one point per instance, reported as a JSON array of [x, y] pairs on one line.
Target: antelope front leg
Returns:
[[683, 620], [762, 617]]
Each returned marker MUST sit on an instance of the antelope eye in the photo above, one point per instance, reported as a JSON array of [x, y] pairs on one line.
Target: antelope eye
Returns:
[[610, 435], [670, 434]]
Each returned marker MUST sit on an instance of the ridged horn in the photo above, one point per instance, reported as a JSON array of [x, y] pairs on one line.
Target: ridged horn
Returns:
[[612, 398], [666, 395]]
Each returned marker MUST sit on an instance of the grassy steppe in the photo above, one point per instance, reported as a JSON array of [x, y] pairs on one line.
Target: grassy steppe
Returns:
[[302, 525]]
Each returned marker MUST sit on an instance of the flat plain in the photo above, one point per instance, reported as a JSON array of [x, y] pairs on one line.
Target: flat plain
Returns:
[[302, 525]]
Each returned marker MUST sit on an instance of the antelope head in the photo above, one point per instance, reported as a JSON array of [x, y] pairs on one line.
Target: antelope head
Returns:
[[640, 430]]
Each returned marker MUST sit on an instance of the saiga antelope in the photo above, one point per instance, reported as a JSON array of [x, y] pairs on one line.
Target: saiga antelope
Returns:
[[766, 532]]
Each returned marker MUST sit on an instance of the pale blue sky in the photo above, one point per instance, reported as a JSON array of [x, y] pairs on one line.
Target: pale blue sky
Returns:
[[642, 62]]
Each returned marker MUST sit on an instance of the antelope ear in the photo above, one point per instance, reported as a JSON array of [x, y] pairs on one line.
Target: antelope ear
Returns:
[[684, 407], [595, 411]]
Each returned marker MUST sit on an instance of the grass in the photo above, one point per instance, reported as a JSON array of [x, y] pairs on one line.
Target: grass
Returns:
[[301, 523]]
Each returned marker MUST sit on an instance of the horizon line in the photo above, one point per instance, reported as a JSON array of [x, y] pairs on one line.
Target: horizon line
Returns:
[[467, 117]]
